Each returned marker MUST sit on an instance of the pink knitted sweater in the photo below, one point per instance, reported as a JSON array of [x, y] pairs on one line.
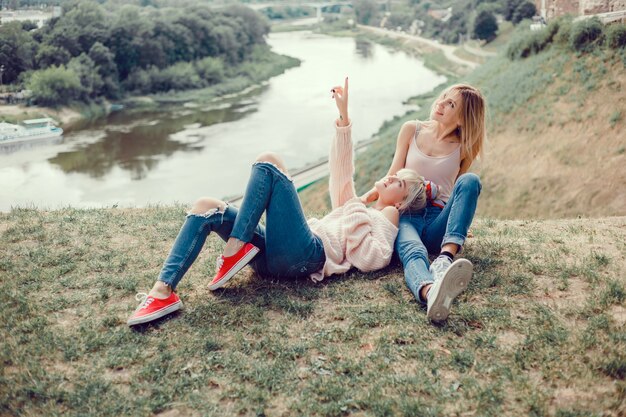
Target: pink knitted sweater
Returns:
[[353, 235]]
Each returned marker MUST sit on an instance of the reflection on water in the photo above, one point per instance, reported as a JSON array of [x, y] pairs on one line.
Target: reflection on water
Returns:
[[364, 48], [178, 153], [138, 146], [9, 148]]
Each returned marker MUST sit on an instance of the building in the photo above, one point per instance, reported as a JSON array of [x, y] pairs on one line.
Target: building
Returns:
[[550, 9]]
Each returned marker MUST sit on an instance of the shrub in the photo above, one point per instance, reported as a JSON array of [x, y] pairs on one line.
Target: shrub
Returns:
[[563, 34], [485, 26], [139, 81], [211, 70], [55, 86], [180, 76], [616, 36], [586, 34], [524, 10], [533, 42]]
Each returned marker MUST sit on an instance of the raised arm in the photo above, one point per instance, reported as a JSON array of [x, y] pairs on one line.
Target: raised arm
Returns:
[[341, 159]]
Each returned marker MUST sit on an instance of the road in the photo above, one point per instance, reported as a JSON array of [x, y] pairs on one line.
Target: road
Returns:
[[447, 50]]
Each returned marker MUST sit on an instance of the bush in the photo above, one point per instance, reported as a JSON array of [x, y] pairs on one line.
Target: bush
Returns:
[[485, 26], [533, 42], [211, 70], [586, 34], [55, 86], [524, 10], [139, 81], [616, 36], [181, 76], [565, 29]]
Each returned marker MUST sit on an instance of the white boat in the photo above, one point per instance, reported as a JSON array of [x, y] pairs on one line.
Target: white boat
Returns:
[[29, 130]]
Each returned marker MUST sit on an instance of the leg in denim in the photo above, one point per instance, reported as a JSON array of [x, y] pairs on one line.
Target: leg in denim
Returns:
[[413, 253], [291, 248], [450, 224], [192, 236]]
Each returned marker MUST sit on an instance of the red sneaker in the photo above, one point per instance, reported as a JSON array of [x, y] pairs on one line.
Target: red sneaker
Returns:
[[152, 308], [228, 266]]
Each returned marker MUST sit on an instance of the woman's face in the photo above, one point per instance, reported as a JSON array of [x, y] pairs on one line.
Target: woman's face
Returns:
[[391, 190], [448, 109]]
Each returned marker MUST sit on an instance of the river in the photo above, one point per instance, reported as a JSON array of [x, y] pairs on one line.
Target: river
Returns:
[[205, 149]]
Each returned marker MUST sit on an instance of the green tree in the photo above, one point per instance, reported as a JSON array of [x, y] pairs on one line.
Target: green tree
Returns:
[[50, 55], [485, 26], [366, 11], [17, 51], [524, 10], [54, 86], [90, 80]]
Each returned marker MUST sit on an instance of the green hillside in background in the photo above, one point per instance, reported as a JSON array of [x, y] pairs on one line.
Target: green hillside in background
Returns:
[[556, 144]]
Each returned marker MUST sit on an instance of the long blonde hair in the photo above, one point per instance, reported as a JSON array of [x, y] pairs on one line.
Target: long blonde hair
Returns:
[[472, 115], [416, 198]]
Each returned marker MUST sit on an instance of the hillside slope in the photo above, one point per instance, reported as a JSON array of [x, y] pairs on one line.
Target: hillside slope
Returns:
[[556, 143], [540, 331]]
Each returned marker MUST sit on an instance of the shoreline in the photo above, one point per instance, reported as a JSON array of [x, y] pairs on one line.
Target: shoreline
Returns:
[[67, 116]]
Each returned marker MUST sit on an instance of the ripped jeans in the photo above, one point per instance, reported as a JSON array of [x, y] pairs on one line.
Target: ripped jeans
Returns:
[[288, 247]]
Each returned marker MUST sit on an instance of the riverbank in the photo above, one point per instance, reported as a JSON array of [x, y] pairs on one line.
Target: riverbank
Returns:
[[539, 160], [251, 74], [539, 330]]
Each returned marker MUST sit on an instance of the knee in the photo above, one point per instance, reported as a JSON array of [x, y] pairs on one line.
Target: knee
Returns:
[[272, 158], [469, 181], [410, 250], [203, 205]]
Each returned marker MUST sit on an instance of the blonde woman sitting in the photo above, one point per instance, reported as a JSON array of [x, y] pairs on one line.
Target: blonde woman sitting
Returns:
[[351, 235]]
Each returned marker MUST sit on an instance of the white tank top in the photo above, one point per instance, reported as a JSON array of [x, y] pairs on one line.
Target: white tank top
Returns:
[[442, 170]]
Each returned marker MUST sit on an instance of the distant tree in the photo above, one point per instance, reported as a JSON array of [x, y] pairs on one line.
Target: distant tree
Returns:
[[29, 25], [54, 86], [509, 8], [104, 61], [211, 70], [366, 11], [524, 10], [90, 80], [50, 55], [485, 26], [17, 51]]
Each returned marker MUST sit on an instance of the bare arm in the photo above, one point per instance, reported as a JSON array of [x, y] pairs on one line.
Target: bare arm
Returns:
[[406, 134], [465, 166]]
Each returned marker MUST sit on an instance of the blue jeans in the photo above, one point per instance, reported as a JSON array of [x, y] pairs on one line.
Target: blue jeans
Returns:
[[427, 230], [288, 247]]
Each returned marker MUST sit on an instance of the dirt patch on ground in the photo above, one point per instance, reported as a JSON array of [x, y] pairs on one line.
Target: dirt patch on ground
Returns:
[[619, 314], [509, 339], [64, 115]]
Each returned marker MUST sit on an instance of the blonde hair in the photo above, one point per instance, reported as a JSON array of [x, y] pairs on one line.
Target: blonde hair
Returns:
[[472, 115], [416, 198]]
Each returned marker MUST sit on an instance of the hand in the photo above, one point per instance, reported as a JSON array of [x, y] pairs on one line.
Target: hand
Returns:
[[340, 94], [370, 196]]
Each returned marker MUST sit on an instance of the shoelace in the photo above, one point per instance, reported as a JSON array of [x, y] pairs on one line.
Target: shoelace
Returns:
[[220, 262], [439, 268], [142, 297]]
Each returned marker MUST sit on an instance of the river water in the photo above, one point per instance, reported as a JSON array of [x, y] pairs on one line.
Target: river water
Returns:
[[180, 153]]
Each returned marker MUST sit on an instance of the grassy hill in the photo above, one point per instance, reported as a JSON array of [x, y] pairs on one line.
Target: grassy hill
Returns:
[[556, 144], [540, 331]]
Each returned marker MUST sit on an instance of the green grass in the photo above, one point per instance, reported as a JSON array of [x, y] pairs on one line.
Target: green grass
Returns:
[[518, 342]]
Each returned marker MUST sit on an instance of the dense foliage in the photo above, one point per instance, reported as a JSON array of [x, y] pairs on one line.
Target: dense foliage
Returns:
[[485, 26], [582, 36], [128, 48]]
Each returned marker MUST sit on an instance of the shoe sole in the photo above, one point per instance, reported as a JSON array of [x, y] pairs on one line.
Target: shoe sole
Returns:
[[157, 314], [454, 282], [236, 268]]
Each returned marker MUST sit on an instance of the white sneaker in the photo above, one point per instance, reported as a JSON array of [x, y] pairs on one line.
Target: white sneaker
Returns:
[[451, 279]]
